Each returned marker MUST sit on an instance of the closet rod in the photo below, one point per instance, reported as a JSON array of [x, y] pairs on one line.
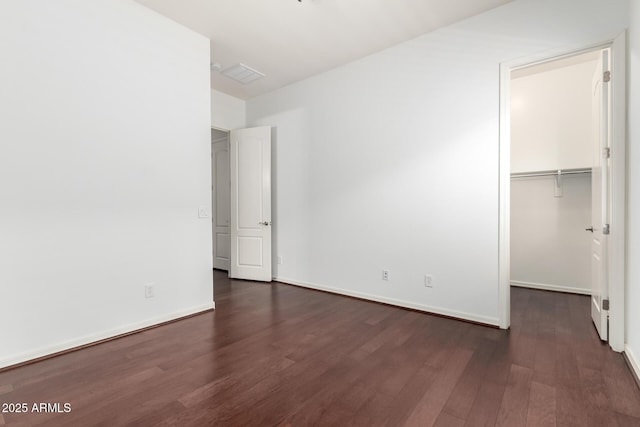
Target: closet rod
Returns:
[[560, 172]]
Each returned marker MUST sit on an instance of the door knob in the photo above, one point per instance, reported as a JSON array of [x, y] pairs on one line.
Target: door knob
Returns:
[[589, 229], [265, 223]]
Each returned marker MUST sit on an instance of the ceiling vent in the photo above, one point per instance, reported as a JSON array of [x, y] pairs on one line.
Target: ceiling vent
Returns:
[[242, 74]]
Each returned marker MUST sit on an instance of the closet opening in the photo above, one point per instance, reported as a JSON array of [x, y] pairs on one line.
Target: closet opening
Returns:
[[562, 179], [552, 157]]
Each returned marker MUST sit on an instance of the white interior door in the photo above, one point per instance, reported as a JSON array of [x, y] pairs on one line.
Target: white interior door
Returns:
[[221, 203], [599, 196], [251, 204]]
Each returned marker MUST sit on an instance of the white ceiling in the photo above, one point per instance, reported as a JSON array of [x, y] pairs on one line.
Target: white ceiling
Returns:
[[289, 40]]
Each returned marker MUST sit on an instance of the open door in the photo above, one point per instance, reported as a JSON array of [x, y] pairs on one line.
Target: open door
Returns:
[[251, 204], [599, 196]]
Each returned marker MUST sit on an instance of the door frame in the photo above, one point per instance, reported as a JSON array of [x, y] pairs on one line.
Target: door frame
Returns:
[[617, 192]]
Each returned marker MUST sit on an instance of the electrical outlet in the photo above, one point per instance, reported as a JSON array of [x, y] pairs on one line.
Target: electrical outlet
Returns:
[[428, 281], [280, 261], [203, 213], [150, 290], [385, 274]]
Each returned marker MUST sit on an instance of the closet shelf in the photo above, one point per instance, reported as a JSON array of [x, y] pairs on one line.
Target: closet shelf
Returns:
[[558, 172]]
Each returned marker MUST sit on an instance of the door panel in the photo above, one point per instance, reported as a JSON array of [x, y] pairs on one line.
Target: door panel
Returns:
[[250, 251], [599, 196], [251, 204]]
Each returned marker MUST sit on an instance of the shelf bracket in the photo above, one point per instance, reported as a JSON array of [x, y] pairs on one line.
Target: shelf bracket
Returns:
[[557, 190]]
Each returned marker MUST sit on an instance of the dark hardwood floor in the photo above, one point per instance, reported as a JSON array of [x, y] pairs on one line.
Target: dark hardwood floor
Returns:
[[278, 355]]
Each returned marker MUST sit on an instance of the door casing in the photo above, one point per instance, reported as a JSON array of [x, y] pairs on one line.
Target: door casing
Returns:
[[617, 191]]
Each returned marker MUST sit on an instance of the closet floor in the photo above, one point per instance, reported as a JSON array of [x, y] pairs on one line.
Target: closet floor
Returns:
[[279, 355]]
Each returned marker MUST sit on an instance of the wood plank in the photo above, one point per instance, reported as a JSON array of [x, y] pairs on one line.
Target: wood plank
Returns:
[[5, 388], [515, 402], [620, 386], [484, 412], [571, 409], [447, 420], [542, 406], [428, 409], [461, 400], [410, 396]]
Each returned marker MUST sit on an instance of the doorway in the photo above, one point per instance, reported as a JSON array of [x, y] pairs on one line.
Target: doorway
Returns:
[[241, 202], [564, 188], [220, 199], [556, 192], [551, 165]]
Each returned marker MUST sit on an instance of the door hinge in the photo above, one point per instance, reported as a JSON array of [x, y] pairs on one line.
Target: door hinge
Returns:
[[605, 304], [606, 76], [606, 229], [606, 152]]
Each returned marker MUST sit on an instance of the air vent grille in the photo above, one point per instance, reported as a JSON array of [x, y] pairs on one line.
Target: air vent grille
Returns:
[[242, 74]]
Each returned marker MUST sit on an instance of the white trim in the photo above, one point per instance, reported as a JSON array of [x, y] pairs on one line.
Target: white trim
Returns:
[[546, 287], [555, 54], [392, 301], [88, 339], [633, 361], [504, 204], [618, 200]]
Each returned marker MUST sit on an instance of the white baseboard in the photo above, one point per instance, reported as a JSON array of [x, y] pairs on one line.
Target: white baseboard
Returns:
[[78, 342], [546, 287], [493, 321], [633, 363]]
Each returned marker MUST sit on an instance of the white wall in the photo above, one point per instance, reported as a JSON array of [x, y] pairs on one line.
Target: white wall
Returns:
[[632, 296], [104, 161], [550, 119], [550, 248], [392, 161], [227, 112]]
